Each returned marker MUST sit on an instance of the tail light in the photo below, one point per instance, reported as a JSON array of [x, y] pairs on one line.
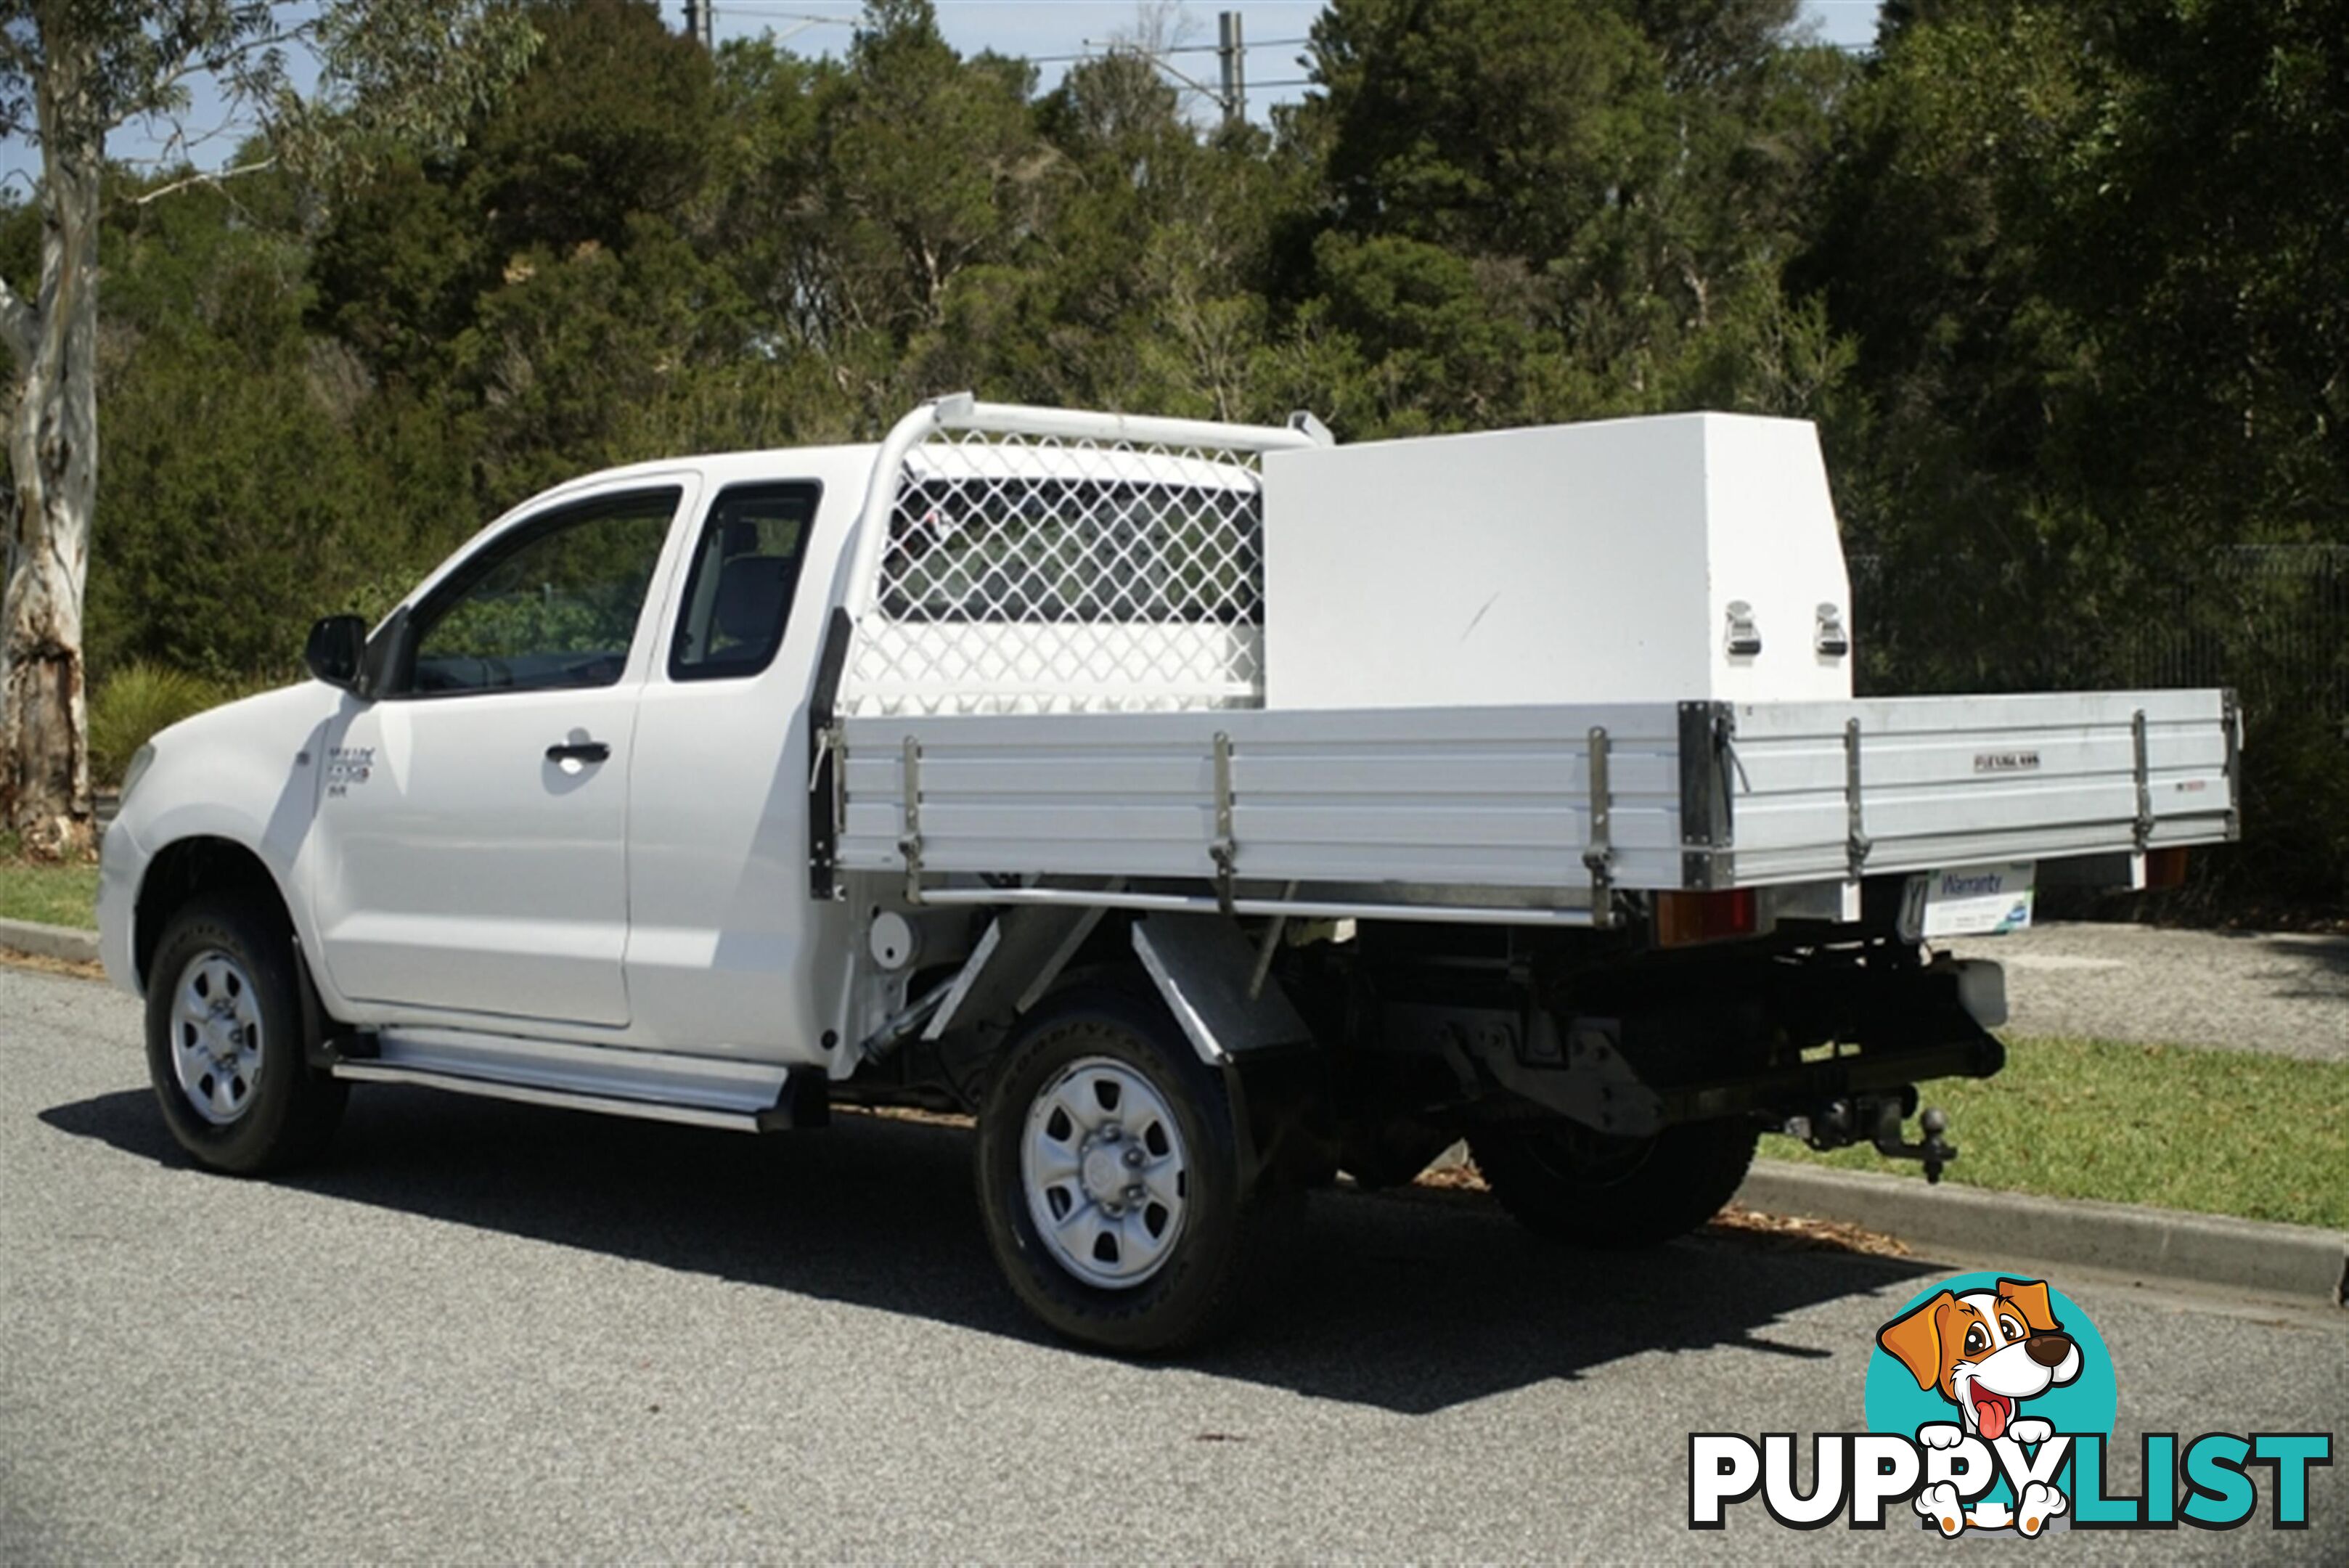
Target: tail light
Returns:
[[1686, 918], [2164, 869]]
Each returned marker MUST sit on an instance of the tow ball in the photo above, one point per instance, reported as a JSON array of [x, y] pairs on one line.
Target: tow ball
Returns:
[[1876, 1118]]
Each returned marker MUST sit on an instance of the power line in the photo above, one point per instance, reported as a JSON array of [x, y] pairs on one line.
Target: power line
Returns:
[[1095, 51], [1230, 48]]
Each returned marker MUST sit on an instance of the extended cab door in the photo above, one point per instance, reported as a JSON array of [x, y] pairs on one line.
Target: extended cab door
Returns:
[[727, 952], [472, 830]]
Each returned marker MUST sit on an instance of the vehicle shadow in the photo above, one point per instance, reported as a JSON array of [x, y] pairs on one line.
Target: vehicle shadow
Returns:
[[1407, 1304], [2309, 967]]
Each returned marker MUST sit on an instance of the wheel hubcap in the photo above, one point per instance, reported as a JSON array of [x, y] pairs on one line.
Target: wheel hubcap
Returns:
[[1105, 1172], [216, 1037]]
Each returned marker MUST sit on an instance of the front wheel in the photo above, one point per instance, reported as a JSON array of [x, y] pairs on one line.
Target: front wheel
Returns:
[[224, 1041], [1573, 1184], [1112, 1177]]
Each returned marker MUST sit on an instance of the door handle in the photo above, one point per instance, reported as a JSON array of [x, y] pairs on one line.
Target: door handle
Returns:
[[578, 751]]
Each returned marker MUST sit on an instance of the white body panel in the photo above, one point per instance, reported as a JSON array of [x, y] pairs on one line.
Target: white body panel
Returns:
[[726, 950], [1523, 589], [655, 900], [1591, 563], [458, 867], [244, 773]]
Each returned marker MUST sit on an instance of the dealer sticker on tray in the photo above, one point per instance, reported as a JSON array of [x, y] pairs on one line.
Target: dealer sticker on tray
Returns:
[[1968, 902]]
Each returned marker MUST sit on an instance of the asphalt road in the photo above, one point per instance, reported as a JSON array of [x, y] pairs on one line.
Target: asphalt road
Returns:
[[2250, 991], [486, 1332]]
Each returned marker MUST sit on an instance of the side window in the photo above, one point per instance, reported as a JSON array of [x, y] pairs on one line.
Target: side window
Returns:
[[745, 566], [554, 604]]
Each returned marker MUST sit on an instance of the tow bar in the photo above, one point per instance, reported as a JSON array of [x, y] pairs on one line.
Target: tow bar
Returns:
[[1876, 1118]]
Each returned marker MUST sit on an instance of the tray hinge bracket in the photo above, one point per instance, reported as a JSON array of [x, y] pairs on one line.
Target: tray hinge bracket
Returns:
[[1224, 851], [1709, 771], [1856, 844], [909, 841], [2143, 782], [2231, 715], [1599, 855], [826, 806]]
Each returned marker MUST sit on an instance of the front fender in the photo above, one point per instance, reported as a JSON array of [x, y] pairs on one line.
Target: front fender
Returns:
[[246, 773]]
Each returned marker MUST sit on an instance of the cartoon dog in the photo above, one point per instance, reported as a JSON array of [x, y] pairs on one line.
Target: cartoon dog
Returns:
[[1986, 1352]]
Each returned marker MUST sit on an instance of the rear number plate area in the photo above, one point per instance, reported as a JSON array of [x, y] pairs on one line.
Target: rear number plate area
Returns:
[[1969, 900]]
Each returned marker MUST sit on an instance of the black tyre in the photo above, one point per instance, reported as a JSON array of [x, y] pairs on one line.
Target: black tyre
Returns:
[[1569, 1183], [225, 1037], [1109, 1173]]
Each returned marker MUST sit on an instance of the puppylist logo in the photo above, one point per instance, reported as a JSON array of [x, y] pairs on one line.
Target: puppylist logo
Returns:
[[1990, 1404]]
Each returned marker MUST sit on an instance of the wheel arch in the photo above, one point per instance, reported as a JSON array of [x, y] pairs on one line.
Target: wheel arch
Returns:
[[187, 869]]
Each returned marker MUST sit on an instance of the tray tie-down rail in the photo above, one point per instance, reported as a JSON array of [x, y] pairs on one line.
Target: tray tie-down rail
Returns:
[[1599, 855], [1223, 850], [1856, 844]]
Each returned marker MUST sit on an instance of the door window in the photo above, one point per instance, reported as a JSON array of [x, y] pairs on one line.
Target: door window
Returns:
[[745, 566], [554, 604]]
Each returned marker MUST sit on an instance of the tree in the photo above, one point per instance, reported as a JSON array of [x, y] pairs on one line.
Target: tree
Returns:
[[70, 72], [540, 286], [242, 446], [2094, 262], [1546, 209]]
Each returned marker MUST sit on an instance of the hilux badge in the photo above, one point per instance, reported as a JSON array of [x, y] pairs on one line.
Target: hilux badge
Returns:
[[348, 766]]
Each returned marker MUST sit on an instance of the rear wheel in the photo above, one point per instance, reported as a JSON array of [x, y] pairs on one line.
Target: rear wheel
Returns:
[[1573, 1184], [225, 1041], [1111, 1174]]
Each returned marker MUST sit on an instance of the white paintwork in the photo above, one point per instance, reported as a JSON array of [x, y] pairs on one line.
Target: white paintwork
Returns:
[[457, 867], [583, 930], [245, 774], [465, 871], [726, 950], [1590, 563]]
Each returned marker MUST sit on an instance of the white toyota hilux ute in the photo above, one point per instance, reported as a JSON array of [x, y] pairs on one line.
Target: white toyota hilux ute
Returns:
[[1208, 808]]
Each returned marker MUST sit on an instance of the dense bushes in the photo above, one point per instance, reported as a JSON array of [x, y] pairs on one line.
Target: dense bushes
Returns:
[[134, 703], [2061, 284]]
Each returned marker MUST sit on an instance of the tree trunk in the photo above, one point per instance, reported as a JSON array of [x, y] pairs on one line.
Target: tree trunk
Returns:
[[45, 796]]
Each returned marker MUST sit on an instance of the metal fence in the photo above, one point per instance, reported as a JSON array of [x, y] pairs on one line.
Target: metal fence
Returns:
[[2270, 620]]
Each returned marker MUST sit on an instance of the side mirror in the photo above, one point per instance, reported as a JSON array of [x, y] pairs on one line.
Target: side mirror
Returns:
[[337, 649]]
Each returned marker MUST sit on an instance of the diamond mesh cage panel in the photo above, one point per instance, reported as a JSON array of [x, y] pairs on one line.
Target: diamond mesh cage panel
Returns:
[[1035, 574]]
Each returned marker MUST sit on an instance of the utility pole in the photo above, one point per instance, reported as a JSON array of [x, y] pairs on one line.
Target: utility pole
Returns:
[[702, 22], [1231, 53]]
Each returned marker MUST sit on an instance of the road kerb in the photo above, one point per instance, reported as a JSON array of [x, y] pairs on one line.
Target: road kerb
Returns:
[[66, 942], [2157, 1243]]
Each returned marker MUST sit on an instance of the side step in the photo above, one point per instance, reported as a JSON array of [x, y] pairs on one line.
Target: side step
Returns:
[[697, 1091]]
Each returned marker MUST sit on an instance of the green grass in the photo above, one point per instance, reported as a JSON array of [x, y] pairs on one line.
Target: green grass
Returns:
[[55, 894], [2218, 1132]]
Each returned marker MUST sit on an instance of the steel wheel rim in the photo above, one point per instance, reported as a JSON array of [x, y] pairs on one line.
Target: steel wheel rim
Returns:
[[216, 1041], [1105, 1173]]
